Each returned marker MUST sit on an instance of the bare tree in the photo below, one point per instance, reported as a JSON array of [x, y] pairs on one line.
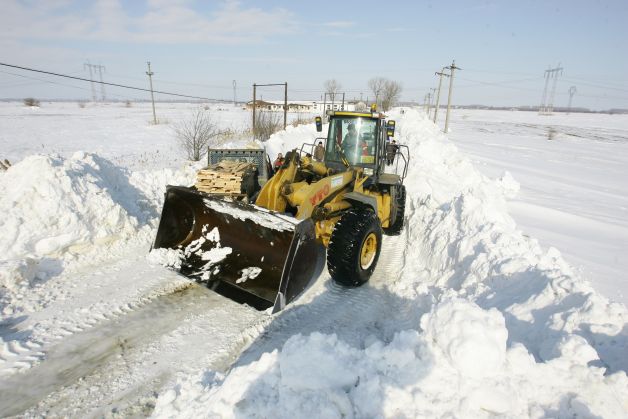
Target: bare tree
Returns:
[[361, 107], [4, 165], [390, 94], [332, 87], [266, 124], [29, 101], [376, 84], [196, 133]]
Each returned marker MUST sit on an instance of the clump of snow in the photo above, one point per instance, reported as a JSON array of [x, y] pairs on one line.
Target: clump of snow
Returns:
[[16, 272], [509, 186], [170, 258], [473, 340], [215, 255], [251, 272]]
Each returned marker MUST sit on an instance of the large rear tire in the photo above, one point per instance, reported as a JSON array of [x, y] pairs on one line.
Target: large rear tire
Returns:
[[400, 204], [354, 247]]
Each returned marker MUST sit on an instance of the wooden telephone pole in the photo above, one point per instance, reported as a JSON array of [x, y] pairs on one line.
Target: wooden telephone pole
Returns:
[[149, 73], [451, 69], [440, 82]]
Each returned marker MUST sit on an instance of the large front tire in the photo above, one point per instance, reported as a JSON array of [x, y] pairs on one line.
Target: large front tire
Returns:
[[354, 247]]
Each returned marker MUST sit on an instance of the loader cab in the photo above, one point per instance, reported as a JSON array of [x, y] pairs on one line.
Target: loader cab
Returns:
[[354, 136]]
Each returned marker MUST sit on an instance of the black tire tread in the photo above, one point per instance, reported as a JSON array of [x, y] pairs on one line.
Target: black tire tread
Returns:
[[397, 225], [344, 246]]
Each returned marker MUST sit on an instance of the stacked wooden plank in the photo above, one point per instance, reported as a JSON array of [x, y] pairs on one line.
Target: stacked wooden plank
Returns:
[[224, 177]]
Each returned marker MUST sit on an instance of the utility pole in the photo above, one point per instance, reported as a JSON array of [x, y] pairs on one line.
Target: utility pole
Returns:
[[547, 103], [234, 94], [254, 99], [546, 75], [429, 103], [557, 71], [91, 79], [428, 100], [102, 86], [572, 91], [451, 69], [440, 82], [149, 73], [285, 105]]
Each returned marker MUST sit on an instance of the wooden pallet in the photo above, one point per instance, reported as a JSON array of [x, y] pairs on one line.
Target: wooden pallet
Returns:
[[223, 178]]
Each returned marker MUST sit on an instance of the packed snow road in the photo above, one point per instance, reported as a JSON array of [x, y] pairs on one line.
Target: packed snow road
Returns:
[[118, 364], [102, 361]]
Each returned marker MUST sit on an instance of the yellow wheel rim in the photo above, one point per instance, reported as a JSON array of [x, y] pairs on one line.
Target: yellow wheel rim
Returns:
[[368, 251]]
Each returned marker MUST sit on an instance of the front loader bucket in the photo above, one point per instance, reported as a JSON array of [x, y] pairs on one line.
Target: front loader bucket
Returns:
[[244, 252]]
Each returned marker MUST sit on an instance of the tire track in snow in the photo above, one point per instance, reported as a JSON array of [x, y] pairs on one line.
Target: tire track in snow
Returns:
[[120, 363], [354, 314], [19, 355]]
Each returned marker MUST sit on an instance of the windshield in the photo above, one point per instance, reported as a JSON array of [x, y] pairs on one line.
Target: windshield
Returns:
[[355, 136]]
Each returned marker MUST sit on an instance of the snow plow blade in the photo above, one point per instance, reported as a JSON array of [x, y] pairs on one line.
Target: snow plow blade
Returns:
[[243, 252]]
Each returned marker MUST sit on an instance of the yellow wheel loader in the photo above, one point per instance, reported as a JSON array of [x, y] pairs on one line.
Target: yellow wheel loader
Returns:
[[267, 253]]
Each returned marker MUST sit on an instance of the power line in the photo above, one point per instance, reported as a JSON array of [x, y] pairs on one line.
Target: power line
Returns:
[[157, 80], [499, 83], [109, 84], [38, 81], [514, 73], [50, 82], [608, 80], [595, 85]]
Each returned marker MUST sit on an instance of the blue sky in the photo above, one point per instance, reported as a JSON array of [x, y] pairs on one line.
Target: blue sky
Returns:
[[199, 47]]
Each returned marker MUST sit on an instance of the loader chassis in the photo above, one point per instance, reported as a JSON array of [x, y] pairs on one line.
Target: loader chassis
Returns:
[[343, 204]]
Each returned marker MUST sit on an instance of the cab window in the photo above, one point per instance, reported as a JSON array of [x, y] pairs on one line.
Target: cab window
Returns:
[[354, 137]]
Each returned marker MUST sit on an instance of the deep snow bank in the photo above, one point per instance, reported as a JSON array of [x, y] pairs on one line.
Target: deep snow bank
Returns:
[[458, 366], [291, 138], [461, 232], [55, 209], [508, 328]]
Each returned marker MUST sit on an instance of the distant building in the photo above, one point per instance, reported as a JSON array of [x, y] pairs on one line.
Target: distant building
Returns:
[[301, 106]]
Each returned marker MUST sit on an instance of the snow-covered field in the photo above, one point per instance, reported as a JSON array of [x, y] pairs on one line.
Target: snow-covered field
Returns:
[[467, 315], [574, 188]]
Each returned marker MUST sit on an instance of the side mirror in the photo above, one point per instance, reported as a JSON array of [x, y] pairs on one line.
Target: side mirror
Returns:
[[390, 128], [319, 123]]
